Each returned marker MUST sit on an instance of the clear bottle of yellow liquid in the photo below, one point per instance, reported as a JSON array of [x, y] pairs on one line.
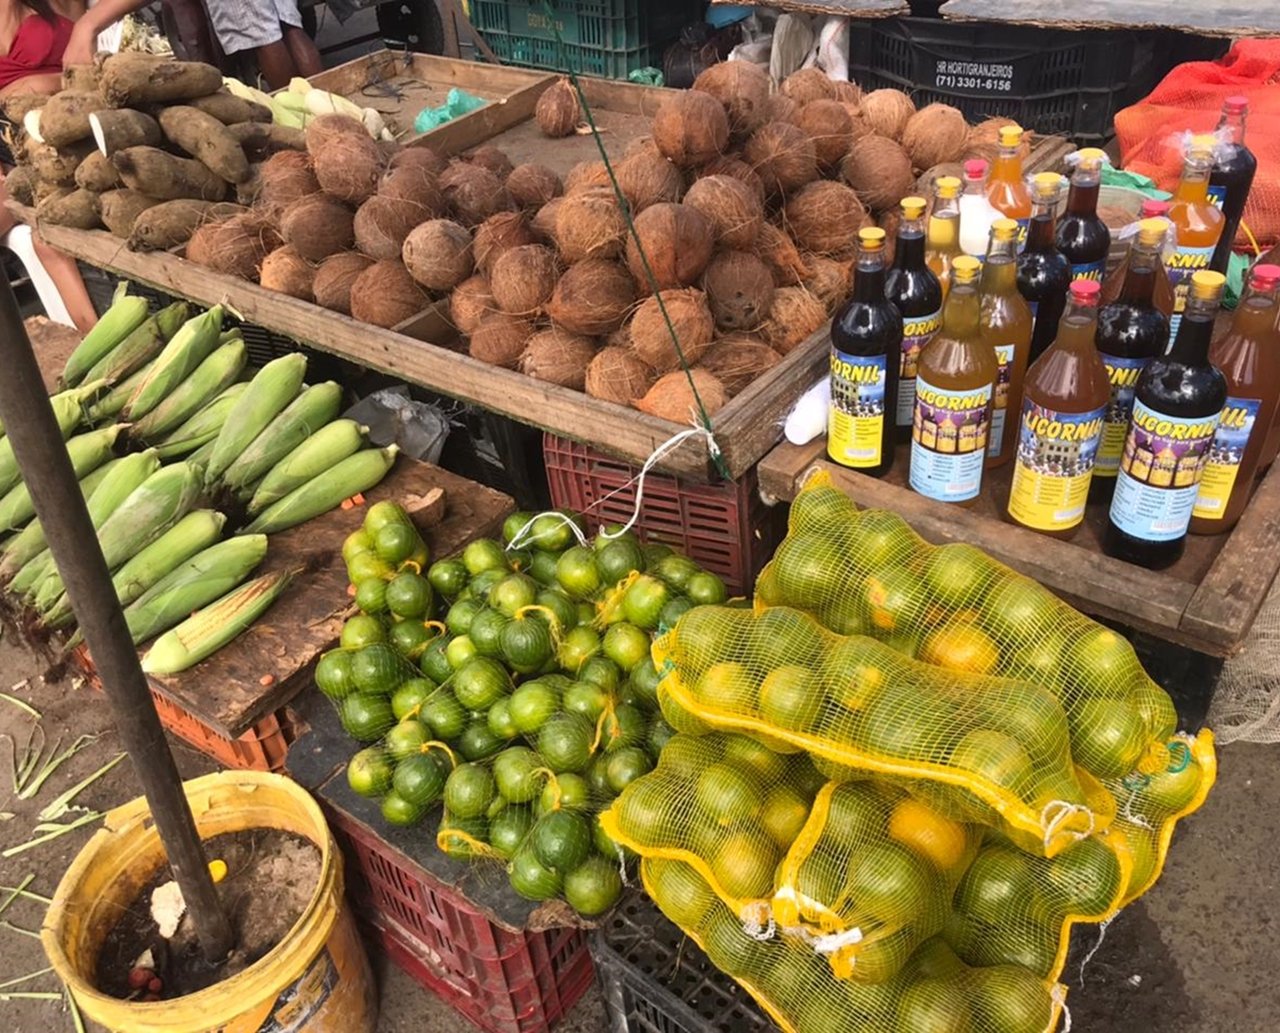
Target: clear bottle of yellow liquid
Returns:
[[955, 382], [942, 242], [1006, 327], [1197, 224], [1066, 397], [1006, 190]]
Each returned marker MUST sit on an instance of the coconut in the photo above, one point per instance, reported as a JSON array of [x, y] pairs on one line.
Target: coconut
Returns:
[[739, 290], [830, 279], [888, 112], [795, 315], [558, 357], [743, 88], [734, 212], [671, 398], [830, 127], [677, 241], [618, 374], [926, 182], [781, 109], [415, 183], [323, 130], [859, 126], [880, 171], [647, 178], [737, 169], [783, 155], [349, 167], [986, 134], [848, 92], [335, 277], [317, 227], [234, 246], [286, 271], [737, 360], [385, 294], [522, 279], [589, 225], [497, 234], [691, 127], [470, 302], [438, 254], [543, 223], [587, 175], [382, 223], [532, 186], [492, 158], [592, 297], [472, 193], [557, 111], [934, 134], [285, 177], [420, 156], [500, 339], [689, 316], [824, 217], [807, 85], [781, 255]]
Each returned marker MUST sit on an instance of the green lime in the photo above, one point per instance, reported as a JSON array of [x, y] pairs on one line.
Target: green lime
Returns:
[[562, 839], [564, 792], [410, 638], [673, 611], [355, 543], [366, 718], [366, 566], [434, 662], [531, 704], [705, 589], [644, 679], [577, 573], [362, 630], [791, 697], [727, 794], [380, 514], [675, 570], [597, 777], [1087, 875], [460, 652], [483, 554], [682, 893], [420, 779], [564, 609], [542, 568], [410, 595], [626, 765], [467, 829], [585, 698], [606, 847], [448, 577], [402, 813], [517, 773], [626, 725], [512, 593], [660, 733], [480, 683], [577, 647], [603, 671], [593, 887], [333, 674], [626, 645], [406, 738], [499, 720], [369, 771], [371, 595], [378, 668], [477, 742], [514, 524], [530, 877], [644, 600], [565, 742], [520, 560], [480, 585], [526, 643], [618, 558], [461, 614], [486, 631], [554, 532], [396, 542], [446, 716], [469, 790], [508, 829]]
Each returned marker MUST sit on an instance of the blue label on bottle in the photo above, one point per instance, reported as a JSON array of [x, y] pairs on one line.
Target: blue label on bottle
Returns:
[[1123, 373], [949, 432], [1088, 270], [1236, 425], [1217, 194]]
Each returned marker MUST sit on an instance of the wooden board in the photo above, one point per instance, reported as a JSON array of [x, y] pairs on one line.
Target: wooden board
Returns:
[[841, 8], [1212, 18], [1206, 601]]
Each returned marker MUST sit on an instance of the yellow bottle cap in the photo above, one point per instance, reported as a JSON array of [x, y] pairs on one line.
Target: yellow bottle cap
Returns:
[[1010, 135], [1202, 145], [965, 269], [1207, 285], [1004, 229], [1047, 185], [871, 238], [1091, 154], [947, 186], [913, 207], [1151, 231], [217, 870]]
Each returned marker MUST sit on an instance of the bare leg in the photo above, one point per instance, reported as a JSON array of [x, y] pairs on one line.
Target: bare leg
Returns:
[[276, 64], [303, 50], [65, 274]]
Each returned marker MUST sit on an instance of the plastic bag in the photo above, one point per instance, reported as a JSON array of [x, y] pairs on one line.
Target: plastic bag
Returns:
[[393, 417], [457, 102]]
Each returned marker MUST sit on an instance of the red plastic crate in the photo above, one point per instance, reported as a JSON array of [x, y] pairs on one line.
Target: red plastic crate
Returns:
[[725, 527]]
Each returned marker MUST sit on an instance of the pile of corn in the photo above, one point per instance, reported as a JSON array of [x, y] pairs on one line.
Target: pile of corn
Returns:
[[204, 439]]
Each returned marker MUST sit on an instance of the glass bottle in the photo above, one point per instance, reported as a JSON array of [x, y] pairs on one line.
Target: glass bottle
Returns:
[[1175, 414], [866, 349], [1080, 234], [1006, 190], [1044, 272], [914, 289], [1006, 327], [943, 242], [976, 212], [1249, 356], [955, 383], [1162, 296], [1063, 403], [1232, 176], [1197, 224]]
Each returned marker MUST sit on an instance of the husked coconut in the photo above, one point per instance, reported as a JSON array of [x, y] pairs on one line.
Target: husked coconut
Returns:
[[781, 109], [830, 127], [673, 398], [317, 227], [888, 112], [557, 111], [824, 217], [335, 277], [382, 223], [677, 241], [470, 302], [808, 84], [794, 315], [438, 254], [323, 130], [734, 212], [587, 175], [743, 88], [934, 134], [738, 360], [735, 168], [739, 289], [783, 155], [647, 178], [880, 171], [386, 295], [830, 279], [558, 357], [235, 246], [592, 298], [285, 177], [413, 183], [543, 223], [531, 185], [500, 339], [497, 234], [349, 168], [522, 279], [781, 255], [688, 315], [617, 374], [691, 127], [487, 156], [286, 271], [418, 154], [472, 193], [589, 225]]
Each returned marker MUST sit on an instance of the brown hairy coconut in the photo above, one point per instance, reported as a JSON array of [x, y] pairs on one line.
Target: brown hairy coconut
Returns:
[[286, 271], [690, 127], [323, 130], [523, 278], [470, 302], [808, 84], [859, 126], [234, 246], [617, 374], [531, 185], [825, 217], [986, 134], [543, 223], [589, 225], [671, 398], [889, 221], [559, 357], [830, 127], [500, 339], [587, 175], [737, 169], [421, 155], [487, 156], [737, 360], [349, 167], [888, 112], [317, 227], [781, 109], [438, 254], [497, 234], [334, 279], [848, 92], [925, 182], [385, 294], [739, 289], [880, 171], [416, 183], [783, 155], [593, 297], [781, 255], [557, 111], [382, 223], [794, 316], [472, 193], [285, 177], [934, 134], [646, 178], [734, 212], [677, 241], [743, 88], [830, 279], [690, 318]]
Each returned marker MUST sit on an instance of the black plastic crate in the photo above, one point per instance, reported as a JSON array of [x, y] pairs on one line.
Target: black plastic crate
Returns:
[[1053, 81], [655, 979]]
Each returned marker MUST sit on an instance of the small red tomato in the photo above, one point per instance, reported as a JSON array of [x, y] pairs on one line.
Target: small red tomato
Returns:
[[155, 986], [140, 977]]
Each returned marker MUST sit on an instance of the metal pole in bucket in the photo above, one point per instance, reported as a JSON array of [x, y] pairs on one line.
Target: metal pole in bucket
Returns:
[[46, 468]]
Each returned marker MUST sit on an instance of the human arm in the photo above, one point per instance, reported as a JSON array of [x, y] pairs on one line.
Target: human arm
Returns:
[[84, 36]]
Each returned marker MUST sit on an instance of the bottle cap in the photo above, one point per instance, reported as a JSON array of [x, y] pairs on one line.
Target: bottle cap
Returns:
[[1151, 232], [913, 207], [1207, 285], [1202, 146], [1091, 157], [871, 238], [1010, 135], [964, 269], [1264, 277], [975, 168], [1085, 292], [1236, 105], [1004, 229], [947, 186], [1153, 207], [1047, 185]]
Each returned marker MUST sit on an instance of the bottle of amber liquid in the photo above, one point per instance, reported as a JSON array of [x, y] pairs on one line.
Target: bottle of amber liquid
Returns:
[[1162, 294], [1044, 272], [942, 243], [1233, 170], [1006, 327], [1197, 224], [955, 383], [1063, 403], [1081, 235], [1249, 356], [915, 291], [1006, 190]]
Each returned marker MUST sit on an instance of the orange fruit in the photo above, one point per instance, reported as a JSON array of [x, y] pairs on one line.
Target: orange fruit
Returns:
[[960, 575], [939, 840], [1103, 661], [961, 647]]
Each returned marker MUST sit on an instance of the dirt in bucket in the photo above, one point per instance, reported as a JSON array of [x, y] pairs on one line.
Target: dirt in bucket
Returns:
[[271, 877]]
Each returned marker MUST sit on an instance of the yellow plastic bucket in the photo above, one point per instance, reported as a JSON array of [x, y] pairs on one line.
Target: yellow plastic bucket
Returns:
[[316, 980]]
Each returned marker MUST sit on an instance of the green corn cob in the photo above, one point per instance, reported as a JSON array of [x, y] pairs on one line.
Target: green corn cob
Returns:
[[227, 336], [352, 475], [204, 633], [270, 391], [123, 317], [195, 532], [110, 405], [87, 452], [193, 584], [29, 577], [213, 376], [189, 347], [311, 410], [201, 456], [325, 448], [160, 502], [141, 346], [68, 410], [203, 427]]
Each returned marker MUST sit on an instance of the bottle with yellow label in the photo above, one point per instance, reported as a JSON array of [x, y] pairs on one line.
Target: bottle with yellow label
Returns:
[[1249, 357], [917, 294], [1063, 403], [955, 383], [866, 350], [1197, 224], [942, 244], [1044, 272], [1006, 190], [1175, 415], [1006, 327], [1081, 235]]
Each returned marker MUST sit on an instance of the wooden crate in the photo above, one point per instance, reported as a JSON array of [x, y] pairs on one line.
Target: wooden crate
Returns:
[[1207, 601]]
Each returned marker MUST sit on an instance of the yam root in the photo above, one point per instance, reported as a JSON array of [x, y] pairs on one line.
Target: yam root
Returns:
[[96, 173], [162, 175], [130, 78], [231, 110], [20, 184], [119, 209], [80, 77], [57, 166], [115, 129], [15, 108], [171, 223], [65, 118], [78, 210], [207, 140], [260, 140]]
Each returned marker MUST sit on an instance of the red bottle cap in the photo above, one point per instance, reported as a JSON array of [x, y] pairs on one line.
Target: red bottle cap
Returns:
[[975, 168], [1153, 208], [1264, 277], [1085, 292], [1235, 105]]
